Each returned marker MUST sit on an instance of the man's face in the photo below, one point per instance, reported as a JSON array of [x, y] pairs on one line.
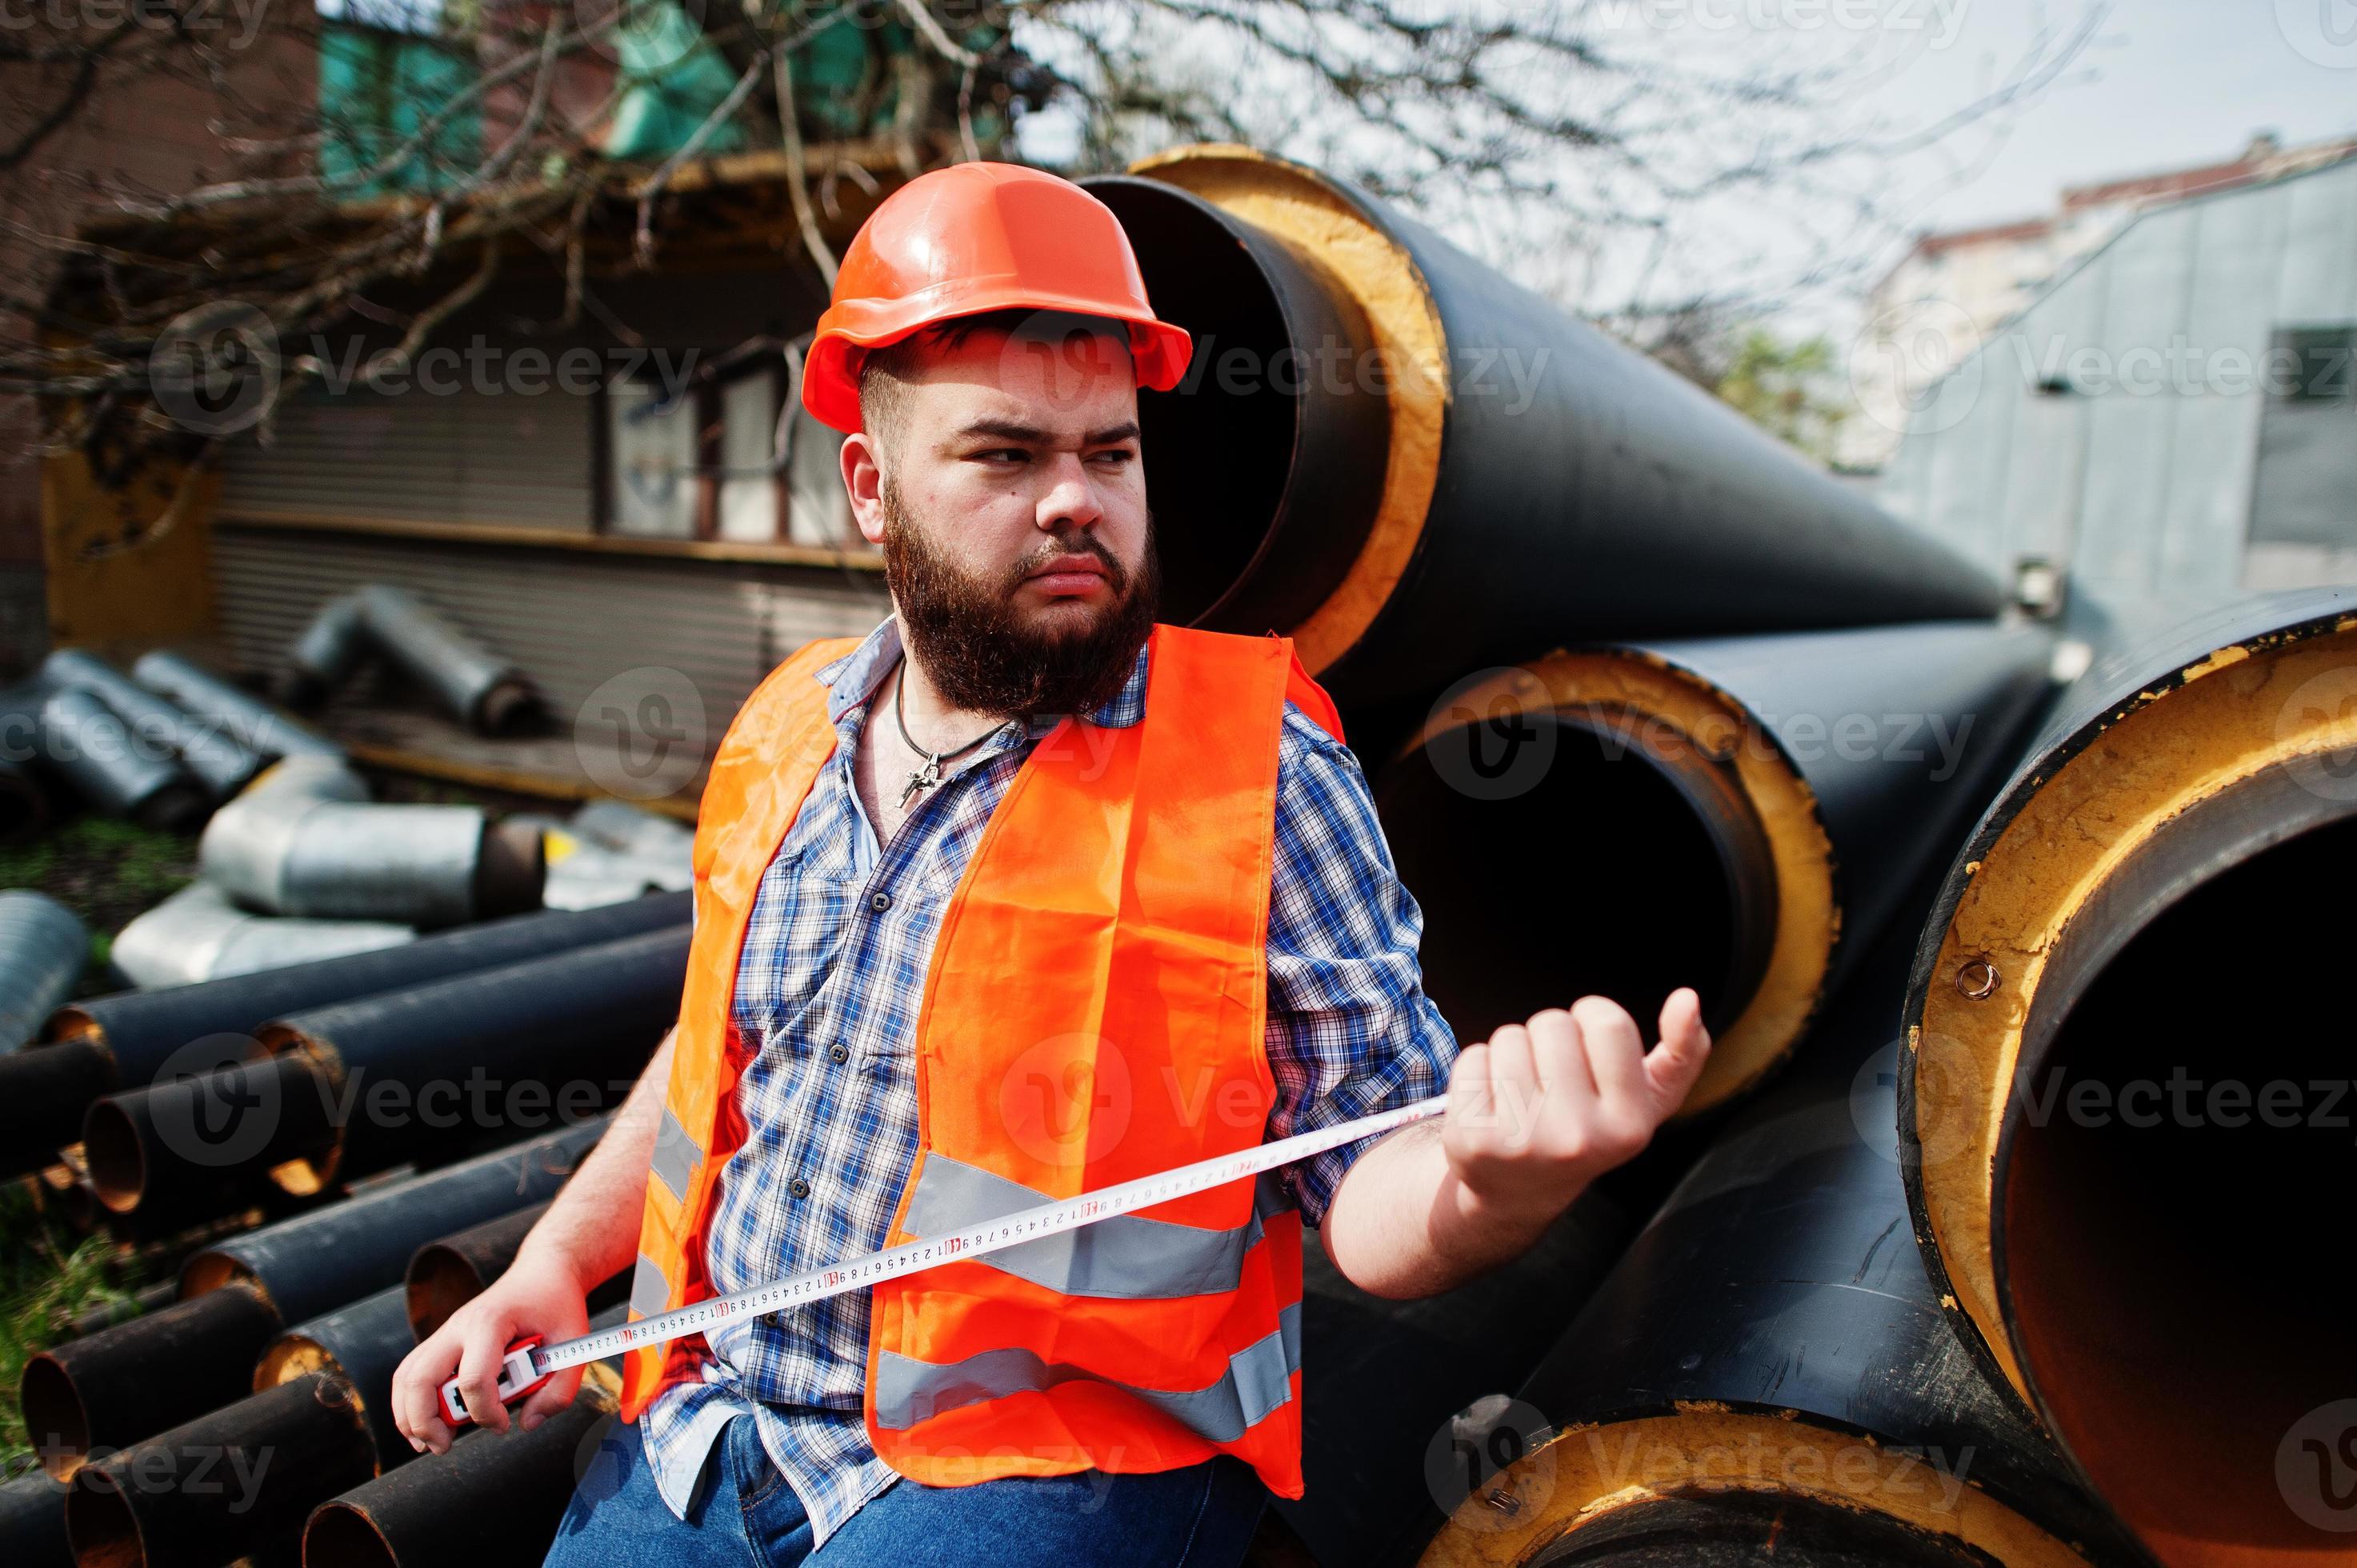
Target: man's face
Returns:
[[1009, 494]]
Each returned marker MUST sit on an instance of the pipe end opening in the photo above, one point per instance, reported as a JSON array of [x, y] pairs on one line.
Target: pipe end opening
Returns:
[[341, 1535], [55, 1421]]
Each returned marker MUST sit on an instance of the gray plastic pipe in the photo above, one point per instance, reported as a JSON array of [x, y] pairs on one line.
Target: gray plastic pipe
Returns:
[[205, 746], [475, 685], [43, 949], [325, 656], [247, 718], [114, 766], [305, 840], [199, 934]]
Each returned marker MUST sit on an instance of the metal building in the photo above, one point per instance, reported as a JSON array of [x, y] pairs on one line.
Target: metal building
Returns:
[[2174, 420]]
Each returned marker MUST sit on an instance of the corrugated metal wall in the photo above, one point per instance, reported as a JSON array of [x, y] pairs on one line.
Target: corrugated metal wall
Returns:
[[2142, 490], [572, 618], [511, 458]]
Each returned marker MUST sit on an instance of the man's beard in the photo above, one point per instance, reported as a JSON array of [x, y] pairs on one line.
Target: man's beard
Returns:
[[975, 646]]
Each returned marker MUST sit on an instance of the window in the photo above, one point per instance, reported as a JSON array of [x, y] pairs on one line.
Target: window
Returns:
[[2307, 440]]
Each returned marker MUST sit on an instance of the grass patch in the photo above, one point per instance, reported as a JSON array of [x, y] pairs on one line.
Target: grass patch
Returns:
[[48, 1276], [106, 870]]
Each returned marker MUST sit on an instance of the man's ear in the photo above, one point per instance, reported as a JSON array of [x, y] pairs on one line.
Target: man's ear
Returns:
[[863, 480]]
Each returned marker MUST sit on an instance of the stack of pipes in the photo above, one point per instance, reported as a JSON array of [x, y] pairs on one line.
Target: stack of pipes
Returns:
[[394, 1121], [110, 1057], [1648, 702], [228, 1425]]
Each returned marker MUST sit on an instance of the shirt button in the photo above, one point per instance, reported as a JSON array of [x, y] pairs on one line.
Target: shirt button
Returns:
[[838, 1053], [799, 1188], [880, 902]]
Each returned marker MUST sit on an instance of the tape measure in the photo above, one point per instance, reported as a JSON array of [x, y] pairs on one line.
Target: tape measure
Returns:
[[529, 1363]]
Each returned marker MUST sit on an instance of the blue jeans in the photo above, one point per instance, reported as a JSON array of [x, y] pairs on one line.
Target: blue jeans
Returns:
[[745, 1514]]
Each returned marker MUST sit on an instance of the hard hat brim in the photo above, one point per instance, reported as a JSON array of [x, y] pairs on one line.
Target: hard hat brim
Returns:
[[1159, 350]]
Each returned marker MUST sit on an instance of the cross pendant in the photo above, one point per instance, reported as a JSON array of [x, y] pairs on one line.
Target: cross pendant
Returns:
[[923, 778]]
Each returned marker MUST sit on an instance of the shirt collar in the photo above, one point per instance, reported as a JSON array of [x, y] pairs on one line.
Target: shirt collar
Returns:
[[853, 678]]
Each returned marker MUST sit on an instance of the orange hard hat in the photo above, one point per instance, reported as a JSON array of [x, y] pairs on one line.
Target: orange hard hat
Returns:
[[976, 237]]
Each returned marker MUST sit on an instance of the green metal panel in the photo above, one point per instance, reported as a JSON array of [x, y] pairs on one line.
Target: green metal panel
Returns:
[[377, 90]]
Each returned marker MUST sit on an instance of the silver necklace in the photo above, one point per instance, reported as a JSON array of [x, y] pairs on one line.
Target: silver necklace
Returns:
[[929, 776]]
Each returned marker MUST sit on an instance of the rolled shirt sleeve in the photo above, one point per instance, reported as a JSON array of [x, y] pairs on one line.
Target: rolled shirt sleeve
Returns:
[[1350, 1031]]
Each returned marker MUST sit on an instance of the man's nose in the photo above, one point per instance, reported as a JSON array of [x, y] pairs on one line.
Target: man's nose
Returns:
[[1072, 499]]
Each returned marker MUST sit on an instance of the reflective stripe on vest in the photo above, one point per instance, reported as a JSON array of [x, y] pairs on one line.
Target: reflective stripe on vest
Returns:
[[1258, 1379], [1110, 926], [1128, 1256]]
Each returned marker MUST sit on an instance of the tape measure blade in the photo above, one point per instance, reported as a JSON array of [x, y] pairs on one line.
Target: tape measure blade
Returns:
[[980, 1240]]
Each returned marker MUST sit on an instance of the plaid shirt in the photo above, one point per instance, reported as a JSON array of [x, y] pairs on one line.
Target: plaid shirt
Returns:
[[830, 980]]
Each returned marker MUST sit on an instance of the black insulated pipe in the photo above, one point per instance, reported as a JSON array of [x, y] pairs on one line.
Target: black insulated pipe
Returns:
[[1627, 819], [1381, 1380], [1262, 537], [445, 1275], [122, 1042], [2146, 1261], [349, 1090], [363, 1344], [1768, 1372], [138, 1378], [495, 1498], [33, 1523], [2123, 1018], [1540, 482], [234, 1483]]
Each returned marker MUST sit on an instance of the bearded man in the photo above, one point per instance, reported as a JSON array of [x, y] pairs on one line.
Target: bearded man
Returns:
[[1018, 897]]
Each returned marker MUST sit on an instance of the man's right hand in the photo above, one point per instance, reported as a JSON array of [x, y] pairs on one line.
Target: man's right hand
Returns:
[[539, 1293]]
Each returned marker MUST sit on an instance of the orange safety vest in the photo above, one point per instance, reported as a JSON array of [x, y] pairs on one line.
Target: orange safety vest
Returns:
[[1095, 1011]]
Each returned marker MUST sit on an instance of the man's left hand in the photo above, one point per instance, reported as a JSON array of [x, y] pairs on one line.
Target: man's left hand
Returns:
[[1540, 1110]]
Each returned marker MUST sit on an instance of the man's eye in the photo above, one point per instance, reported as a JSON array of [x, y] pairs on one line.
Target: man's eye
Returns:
[[1003, 454], [1114, 456]]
